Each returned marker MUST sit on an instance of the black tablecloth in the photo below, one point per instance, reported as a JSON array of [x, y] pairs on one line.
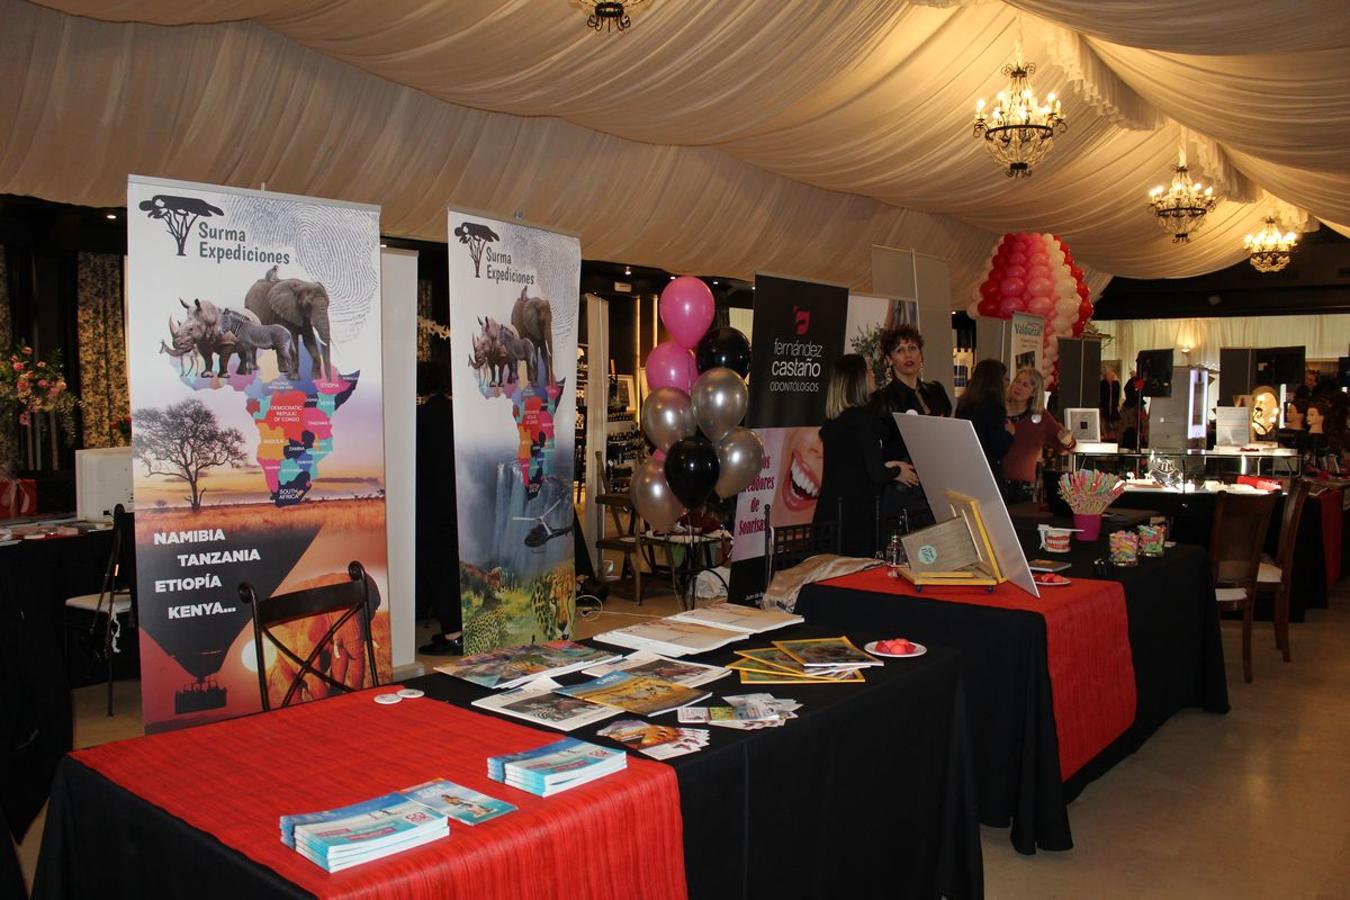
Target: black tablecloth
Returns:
[[35, 719], [869, 791], [1192, 518], [1175, 647]]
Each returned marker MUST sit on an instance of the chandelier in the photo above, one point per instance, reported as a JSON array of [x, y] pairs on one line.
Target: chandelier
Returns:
[[607, 16], [1269, 248], [1019, 131], [1182, 207]]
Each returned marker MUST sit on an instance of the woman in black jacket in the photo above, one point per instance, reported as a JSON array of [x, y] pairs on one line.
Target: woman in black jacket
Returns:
[[906, 392], [983, 404], [855, 470]]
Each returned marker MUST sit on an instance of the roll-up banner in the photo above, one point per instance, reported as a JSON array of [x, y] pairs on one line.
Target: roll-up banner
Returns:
[[514, 301], [257, 420], [796, 322], [1026, 343]]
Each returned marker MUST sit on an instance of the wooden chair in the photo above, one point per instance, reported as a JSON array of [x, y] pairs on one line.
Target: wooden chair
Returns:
[[787, 545], [627, 537], [115, 603], [1235, 542], [1277, 577], [349, 598]]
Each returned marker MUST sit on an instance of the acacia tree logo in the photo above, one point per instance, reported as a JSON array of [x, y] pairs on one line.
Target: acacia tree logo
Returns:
[[476, 237], [179, 214]]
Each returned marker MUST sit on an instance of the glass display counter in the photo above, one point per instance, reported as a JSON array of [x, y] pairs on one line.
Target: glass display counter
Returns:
[[1186, 467]]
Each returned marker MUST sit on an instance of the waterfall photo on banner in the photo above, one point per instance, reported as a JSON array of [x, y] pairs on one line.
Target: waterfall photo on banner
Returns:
[[514, 301], [253, 337]]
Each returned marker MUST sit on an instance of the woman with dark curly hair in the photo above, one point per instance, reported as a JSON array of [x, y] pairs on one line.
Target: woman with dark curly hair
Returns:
[[906, 392]]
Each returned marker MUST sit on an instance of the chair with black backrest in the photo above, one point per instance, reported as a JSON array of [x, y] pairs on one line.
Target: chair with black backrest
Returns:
[[1235, 542], [347, 601], [787, 545], [1276, 578], [113, 607]]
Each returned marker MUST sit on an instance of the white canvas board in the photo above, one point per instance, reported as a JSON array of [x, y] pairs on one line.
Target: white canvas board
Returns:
[[1232, 426], [947, 456], [1084, 424]]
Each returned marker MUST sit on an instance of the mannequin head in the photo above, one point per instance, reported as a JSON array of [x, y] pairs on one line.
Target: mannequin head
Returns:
[[1265, 411], [1317, 416], [1296, 415]]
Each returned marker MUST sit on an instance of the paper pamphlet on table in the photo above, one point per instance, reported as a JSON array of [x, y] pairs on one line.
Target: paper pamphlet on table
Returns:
[[642, 695], [833, 653], [670, 638], [511, 667], [738, 617], [656, 741], [947, 457], [642, 662], [455, 801], [348, 836], [556, 767], [536, 702], [744, 711]]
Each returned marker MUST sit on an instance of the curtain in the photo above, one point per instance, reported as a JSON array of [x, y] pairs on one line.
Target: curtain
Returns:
[[1323, 336], [102, 349], [423, 312], [9, 440]]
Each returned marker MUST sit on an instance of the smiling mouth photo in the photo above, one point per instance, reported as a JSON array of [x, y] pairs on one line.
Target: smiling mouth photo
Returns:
[[801, 487]]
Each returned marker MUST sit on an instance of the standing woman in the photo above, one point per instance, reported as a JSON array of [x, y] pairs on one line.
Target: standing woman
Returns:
[[983, 404], [1035, 430], [855, 471], [906, 392]]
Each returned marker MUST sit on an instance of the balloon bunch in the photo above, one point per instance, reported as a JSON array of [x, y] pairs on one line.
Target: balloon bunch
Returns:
[[695, 403], [1035, 273]]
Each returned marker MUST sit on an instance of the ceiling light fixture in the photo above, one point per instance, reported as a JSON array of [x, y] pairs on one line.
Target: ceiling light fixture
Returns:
[[110, 215], [1019, 131], [607, 16], [628, 270], [1181, 207], [1270, 249]]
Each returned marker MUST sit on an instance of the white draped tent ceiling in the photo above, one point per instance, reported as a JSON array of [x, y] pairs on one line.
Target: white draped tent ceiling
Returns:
[[729, 137]]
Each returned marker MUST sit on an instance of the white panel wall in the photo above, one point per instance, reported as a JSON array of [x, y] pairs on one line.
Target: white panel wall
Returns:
[[907, 275], [398, 288]]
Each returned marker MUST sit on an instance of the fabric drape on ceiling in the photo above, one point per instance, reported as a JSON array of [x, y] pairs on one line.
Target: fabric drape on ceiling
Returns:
[[697, 139], [1324, 336], [102, 349]]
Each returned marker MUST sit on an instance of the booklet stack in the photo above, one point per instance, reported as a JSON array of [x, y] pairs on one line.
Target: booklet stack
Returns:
[[669, 637], [818, 661], [511, 667], [556, 767], [338, 839], [738, 617]]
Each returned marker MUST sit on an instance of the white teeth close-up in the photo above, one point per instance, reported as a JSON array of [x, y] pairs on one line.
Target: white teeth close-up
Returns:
[[802, 481]]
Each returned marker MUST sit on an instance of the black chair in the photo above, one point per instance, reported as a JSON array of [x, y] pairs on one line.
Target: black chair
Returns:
[[350, 598], [113, 607], [788, 545]]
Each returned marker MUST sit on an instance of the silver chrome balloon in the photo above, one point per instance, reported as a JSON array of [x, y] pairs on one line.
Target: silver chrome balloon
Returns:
[[720, 400], [652, 497], [667, 416], [740, 455]]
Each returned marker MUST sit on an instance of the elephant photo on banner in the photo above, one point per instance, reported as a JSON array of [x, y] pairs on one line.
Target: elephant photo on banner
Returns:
[[302, 308]]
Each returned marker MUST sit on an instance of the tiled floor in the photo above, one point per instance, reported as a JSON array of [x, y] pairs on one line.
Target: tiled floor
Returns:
[[1255, 804]]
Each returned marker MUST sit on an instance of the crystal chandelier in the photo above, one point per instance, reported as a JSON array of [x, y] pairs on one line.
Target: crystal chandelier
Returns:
[[1019, 131], [1269, 248], [1182, 207], [607, 16]]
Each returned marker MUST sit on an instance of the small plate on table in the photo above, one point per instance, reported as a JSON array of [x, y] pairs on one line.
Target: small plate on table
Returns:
[[1050, 579], [871, 647]]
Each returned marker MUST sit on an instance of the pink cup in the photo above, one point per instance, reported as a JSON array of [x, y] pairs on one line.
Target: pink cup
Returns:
[[1089, 526]]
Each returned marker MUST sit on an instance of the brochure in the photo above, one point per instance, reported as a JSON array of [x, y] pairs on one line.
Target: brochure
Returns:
[[836, 652], [345, 837], [656, 741], [670, 638], [556, 767], [513, 666], [537, 702], [640, 694], [457, 802], [738, 617], [642, 662]]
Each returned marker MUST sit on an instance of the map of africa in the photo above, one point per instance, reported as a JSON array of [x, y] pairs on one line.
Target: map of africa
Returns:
[[295, 431]]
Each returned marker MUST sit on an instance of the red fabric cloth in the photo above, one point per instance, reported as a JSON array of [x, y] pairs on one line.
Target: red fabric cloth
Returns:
[[1087, 637], [619, 836], [1333, 503]]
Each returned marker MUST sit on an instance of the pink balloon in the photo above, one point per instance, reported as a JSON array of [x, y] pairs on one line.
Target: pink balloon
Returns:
[[1008, 306], [670, 365], [1040, 306], [687, 310], [1039, 286], [1013, 286], [1017, 256], [1015, 270]]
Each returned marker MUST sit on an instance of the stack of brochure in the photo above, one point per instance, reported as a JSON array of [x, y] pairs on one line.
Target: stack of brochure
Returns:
[[511, 667], [536, 702], [738, 617], [669, 637], [640, 694], [642, 662], [556, 767], [338, 839], [464, 805]]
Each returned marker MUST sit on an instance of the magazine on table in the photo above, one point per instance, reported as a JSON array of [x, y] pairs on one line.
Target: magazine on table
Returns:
[[640, 694], [773, 661], [837, 653], [340, 838], [511, 667], [457, 802], [670, 638], [536, 702], [643, 662], [737, 617], [656, 741], [556, 767]]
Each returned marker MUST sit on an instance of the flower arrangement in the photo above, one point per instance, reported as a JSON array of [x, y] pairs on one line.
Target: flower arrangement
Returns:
[[33, 386]]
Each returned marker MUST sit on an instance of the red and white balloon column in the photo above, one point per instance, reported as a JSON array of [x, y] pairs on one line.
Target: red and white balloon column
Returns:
[[1035, 273]]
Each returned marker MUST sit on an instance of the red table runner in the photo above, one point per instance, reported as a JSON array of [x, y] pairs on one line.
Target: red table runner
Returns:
[[619, 836], [1333, 512], [1087, 637]]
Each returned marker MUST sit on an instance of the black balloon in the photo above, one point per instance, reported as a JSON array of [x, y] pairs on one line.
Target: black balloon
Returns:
[[692, 470], [725, 347]]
